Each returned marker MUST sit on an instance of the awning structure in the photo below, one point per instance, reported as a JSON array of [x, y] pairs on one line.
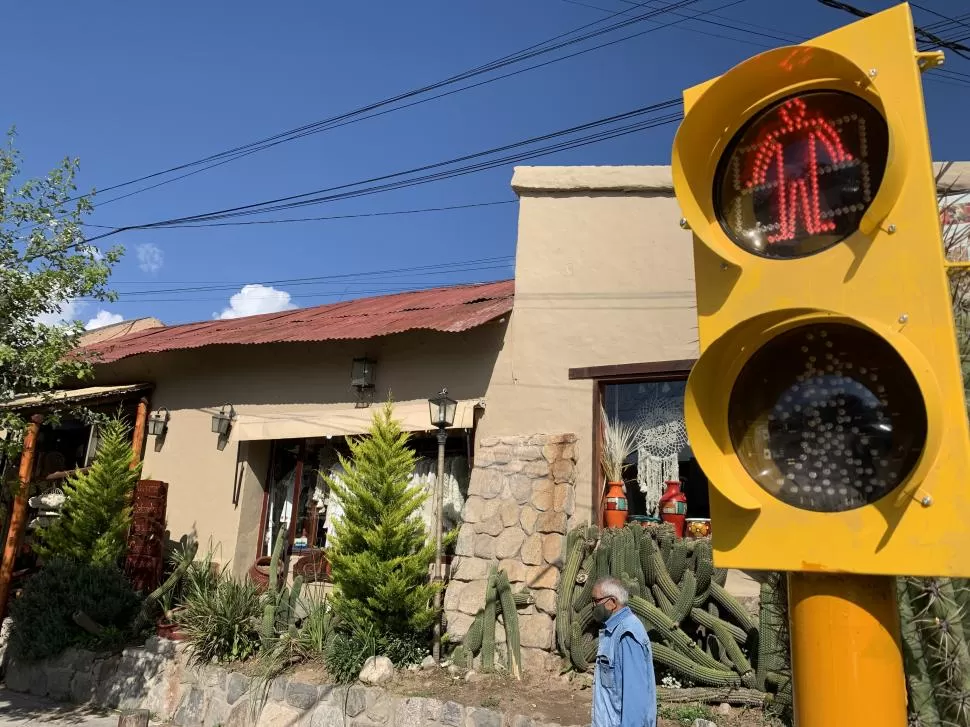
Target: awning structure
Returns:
[[86, 395], [299, 423]]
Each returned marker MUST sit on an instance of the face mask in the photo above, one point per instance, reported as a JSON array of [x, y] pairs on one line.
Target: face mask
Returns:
[[601, 613]]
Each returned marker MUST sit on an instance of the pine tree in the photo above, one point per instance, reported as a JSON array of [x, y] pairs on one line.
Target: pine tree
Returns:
[[380, 553], [94, 521]]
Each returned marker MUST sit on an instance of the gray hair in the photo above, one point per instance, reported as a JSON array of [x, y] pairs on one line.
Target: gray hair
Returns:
[[613, 588]]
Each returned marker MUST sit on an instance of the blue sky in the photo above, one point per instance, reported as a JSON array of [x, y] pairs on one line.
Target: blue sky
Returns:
[[133, 88]]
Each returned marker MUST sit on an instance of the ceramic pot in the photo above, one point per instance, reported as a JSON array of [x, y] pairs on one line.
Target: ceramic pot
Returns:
[[617, 509]]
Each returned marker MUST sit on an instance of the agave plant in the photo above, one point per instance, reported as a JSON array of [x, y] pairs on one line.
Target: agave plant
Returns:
[[619, 440]]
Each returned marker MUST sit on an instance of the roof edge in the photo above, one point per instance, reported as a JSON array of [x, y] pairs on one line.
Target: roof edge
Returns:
[[659, 180]]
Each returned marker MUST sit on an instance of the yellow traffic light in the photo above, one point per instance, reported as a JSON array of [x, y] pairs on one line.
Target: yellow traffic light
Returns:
[[827, 405]]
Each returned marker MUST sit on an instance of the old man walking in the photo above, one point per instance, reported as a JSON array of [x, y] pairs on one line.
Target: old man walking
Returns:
[[624, 690]]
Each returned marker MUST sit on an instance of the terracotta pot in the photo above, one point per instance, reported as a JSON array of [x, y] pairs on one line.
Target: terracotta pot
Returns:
[[169, 631], [617, 510]]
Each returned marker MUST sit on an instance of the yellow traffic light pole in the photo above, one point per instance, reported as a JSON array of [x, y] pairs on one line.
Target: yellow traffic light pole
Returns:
[[827, 406], [847, 665]]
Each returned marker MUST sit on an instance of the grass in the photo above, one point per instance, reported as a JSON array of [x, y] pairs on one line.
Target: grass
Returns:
[[685, 713]]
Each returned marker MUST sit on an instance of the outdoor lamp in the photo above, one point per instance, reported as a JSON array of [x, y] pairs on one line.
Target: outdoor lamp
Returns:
[[362, 374], [222, 421], [158, 422], [442, 410]]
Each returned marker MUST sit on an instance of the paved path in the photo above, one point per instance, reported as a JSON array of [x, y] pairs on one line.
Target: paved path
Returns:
[[21, 710]]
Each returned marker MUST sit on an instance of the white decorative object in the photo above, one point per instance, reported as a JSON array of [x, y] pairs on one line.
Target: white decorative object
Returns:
[[662, 436], [53, 499], [456, 475]]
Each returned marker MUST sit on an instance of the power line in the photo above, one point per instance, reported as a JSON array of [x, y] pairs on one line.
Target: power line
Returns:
[[327, 217], [555, 43], [336, 192], [927, 36]]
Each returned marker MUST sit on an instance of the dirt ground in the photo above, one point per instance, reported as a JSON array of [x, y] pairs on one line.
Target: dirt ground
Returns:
[[550, 698]]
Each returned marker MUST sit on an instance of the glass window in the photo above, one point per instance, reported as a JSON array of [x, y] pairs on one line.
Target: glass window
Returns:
[[298, 499], [661, 451]]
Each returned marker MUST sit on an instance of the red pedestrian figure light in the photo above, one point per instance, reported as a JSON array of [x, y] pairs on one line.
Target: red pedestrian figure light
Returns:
[[797, 196]]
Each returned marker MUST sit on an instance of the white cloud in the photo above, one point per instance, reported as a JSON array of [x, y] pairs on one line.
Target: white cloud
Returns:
[[254, 299], [68, 311], [102, 319], [150, 257]]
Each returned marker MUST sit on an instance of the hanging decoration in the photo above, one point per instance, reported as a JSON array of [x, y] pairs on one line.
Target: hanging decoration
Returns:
[[662, 436]]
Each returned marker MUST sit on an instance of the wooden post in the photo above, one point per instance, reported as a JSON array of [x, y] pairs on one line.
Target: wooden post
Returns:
[[138, 435], [18, 514]]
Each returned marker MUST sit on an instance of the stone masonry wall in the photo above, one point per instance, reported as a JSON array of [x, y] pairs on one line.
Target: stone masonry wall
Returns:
[[520, 499], [160, 679]]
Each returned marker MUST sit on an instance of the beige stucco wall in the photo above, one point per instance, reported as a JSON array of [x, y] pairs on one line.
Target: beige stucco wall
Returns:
[[603, 275], [217, 492]]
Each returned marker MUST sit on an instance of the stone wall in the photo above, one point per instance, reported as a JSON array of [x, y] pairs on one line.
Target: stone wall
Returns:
[[159, 678], [520, 500]]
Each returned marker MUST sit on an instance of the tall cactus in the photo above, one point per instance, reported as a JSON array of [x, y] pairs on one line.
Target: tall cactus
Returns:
[[488, 622], [937, 659], [280, 601], [480, 637], [511, 620]]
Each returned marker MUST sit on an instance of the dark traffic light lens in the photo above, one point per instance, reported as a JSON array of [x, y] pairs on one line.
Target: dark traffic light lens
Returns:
[[827, 417], [799, 176]]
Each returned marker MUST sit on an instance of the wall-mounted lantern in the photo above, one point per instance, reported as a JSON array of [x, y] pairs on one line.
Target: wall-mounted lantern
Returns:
[[362, 374], [222, 422], [158, 422]]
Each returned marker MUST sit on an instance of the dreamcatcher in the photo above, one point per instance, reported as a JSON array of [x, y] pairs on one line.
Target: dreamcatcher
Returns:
[[661, 436]]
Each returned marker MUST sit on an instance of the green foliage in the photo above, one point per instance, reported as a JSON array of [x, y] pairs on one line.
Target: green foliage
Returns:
[[45, 263], [380, 552], [685, 713], [672, 592], [218, 615], [348, 650], [94, 522], [43, 616]]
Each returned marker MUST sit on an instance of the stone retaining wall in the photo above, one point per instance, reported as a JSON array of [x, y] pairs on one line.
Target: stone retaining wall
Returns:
[[159, 678], [520, 500]]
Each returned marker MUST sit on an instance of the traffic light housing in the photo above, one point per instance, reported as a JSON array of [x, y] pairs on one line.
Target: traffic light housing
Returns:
[[827, 405]]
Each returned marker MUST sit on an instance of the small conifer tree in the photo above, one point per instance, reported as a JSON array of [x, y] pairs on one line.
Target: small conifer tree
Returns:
[[380, 552], [94, 521]]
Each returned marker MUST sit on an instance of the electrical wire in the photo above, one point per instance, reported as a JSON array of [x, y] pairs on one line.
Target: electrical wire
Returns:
[[308, 198], [327, 217], [552, 44]]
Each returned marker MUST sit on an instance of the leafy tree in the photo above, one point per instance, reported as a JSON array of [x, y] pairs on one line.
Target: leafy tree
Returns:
[[94, 521], [381, 553], [45, 264]]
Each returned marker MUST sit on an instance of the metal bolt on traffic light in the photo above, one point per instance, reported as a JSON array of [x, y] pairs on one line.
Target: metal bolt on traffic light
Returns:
[[827, 405]]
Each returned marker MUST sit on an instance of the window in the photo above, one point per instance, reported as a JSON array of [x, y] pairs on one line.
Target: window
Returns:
[[297, 497], [650, 398]]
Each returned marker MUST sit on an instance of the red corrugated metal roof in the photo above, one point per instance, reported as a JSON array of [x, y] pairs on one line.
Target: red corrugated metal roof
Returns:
[[448, 310]]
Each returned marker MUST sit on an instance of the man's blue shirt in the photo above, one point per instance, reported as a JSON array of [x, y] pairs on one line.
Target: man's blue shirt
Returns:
[[624, 687]]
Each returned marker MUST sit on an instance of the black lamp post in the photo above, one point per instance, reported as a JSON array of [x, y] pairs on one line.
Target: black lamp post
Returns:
[[442, 409]]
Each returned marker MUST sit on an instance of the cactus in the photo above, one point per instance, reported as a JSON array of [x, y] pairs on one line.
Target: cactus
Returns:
[[692, 670], [922, 701], [936, 650], [280, 600], [574, 557], [733, 608], [685, 599], [488, 622], [583, 593], [473, 638], [707, 620], [677, 563], [511, 621], [577, 653]]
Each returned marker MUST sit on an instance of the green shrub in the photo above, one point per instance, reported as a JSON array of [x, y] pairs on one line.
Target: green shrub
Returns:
[[347, 652], [218, 615], [43, 616], [94, 522], [380, 553]]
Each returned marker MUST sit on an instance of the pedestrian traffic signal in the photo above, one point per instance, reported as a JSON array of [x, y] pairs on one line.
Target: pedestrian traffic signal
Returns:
[[827, 405]]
